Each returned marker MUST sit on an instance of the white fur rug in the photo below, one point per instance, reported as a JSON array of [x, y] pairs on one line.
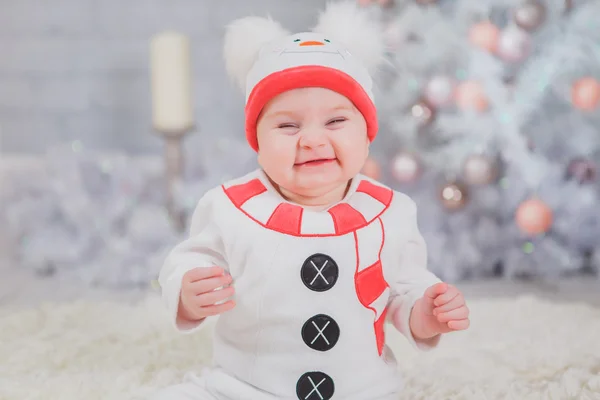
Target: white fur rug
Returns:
[[522, 348]]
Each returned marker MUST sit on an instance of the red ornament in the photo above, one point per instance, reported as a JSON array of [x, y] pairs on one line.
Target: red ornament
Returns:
[[534, 217], [470, 95], [485, 35], [586, 93]]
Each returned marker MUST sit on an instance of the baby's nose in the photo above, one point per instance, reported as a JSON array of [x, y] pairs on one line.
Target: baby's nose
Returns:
[[313, 138], [312, 43]]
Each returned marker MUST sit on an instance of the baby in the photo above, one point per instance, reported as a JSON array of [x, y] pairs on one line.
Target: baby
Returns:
[[304, 260]]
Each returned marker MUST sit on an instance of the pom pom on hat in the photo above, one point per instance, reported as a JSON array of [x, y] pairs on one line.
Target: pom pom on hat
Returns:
[[351, 26], [340, 54], [244, 38]]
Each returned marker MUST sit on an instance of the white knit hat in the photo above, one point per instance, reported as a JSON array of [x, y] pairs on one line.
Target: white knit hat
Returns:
[[338, 54]]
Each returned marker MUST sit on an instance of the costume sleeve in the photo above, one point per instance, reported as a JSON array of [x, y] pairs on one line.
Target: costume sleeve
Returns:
[[203, 248], [410, 277]]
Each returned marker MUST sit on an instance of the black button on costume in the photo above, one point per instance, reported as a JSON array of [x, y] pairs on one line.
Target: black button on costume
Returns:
[[315, 385], [321, 332], [319, 272]]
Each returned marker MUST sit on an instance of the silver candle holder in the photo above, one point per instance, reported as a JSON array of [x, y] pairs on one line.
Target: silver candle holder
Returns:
[[174, 173]]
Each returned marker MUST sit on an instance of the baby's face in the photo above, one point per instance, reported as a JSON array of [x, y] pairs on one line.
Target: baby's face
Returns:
[[311, 141]]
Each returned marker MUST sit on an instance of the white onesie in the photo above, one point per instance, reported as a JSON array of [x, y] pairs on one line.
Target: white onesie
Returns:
[[313, 291]]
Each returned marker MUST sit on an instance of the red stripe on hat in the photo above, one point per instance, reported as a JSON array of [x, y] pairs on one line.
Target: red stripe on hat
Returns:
[[239, 194], [370, 284], [302, 77], [380, 193], [346, 218], [286, 218]]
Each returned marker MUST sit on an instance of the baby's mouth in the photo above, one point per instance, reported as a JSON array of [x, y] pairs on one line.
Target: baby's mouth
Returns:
[[315, 162]]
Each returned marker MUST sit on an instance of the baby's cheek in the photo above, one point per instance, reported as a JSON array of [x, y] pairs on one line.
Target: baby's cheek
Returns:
[[352, 153], [355, 146], [285, 152], [278, 160]]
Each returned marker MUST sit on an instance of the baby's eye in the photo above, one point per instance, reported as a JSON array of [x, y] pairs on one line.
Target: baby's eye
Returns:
[[296, 40], [286, 125], [336, 120], [327, 40]]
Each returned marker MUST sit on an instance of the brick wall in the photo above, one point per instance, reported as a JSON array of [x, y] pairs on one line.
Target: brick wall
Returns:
[[78, 69]]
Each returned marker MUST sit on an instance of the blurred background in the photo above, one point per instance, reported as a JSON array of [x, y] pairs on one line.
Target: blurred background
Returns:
[[115, 117]]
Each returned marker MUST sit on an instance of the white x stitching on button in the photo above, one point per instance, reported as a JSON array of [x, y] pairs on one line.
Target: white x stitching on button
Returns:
[[319, 270], [320, 332], [315, 388]]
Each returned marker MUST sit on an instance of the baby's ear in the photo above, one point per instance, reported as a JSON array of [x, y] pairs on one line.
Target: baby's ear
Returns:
[[351, 26], [244, 38]]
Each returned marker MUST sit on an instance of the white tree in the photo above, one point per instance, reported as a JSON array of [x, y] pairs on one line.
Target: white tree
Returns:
[[491, 113]]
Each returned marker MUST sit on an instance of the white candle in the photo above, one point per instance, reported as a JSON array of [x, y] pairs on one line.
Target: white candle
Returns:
[[171, 82]]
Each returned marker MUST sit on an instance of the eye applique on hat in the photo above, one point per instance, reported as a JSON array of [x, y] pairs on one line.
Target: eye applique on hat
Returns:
[[339, 54], [306, 42], [311, 42]]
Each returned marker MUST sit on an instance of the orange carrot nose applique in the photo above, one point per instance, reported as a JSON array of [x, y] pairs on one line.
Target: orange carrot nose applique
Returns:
[[312, 43]]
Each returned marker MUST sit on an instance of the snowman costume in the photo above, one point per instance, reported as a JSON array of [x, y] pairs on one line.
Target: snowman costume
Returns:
[[314, 288]]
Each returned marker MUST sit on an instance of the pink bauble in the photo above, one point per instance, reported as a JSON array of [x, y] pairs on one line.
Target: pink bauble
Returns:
[[586, 94], [423, 113], [364, 2], [406, 167], [439, 91], [480, 169], [470, 96], [454, 196], [485, 35], [530, 15], [514, 44], [534, 217], [371, 169]]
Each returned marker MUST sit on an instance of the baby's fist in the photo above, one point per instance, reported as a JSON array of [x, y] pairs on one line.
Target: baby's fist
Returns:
[[201, 290], [447, 304]]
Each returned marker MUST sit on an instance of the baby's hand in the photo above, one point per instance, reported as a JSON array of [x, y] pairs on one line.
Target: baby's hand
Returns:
[[447, 304], [442, 309], [198, 295]]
